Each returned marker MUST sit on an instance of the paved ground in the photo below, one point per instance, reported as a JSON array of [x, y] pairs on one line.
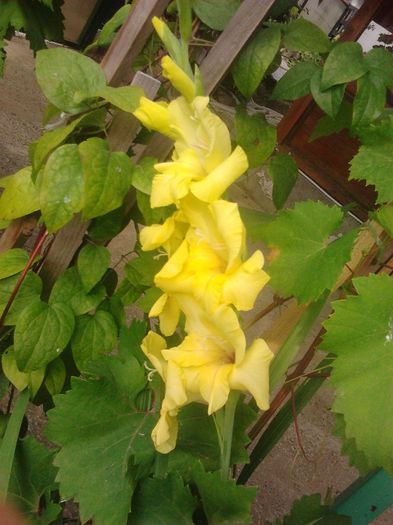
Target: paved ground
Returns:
[[285, 474]]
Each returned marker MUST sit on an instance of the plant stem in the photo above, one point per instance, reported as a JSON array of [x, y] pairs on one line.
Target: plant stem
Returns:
[[227, 434]]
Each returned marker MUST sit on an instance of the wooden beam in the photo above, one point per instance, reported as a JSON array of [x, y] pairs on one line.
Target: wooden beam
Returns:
[[130, 40]]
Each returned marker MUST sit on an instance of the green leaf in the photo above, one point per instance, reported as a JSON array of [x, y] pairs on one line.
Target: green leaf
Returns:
[[68, 79], [109, 29], [130, 340], [93, 261], [344, 64], [304, 36], [93, 336], [374, 164], [29, 292], [13, 261], [254, 60], [369, 101], [69, 289], [107, 226], [164, 501], [142, 269], [283, 171], [32, 475], [385, 218], [61, 187], [149, 297], [224, 502], [360, 334], [255, 136], [19, 379], [356, 457], [101, 435], [215, 13], [41, 334], [328, 125], [279, 8], [296, 81], [107, 177], [125, 98], [55, 376], [300, 237], [20, 196], [379, 62], [253, 220], [143, 174], [328, 100], [151, 215]]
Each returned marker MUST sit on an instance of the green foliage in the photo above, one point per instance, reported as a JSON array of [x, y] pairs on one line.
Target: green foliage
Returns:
[[304, 36], [20, 196], [93, 262], [369, 101], [300, 238], [215, 13], [329, 100], [344, 64], [224, 502], [55, 376], [141, 270], [254, 60], [93, 335], [142, 176], [125, 98], [363, 379], [283, 171], [255, 136], [109, 29], [21, 380], [102, 437], [384, 216], [42, 332], [328, 125], [164, 501], [12, 261], [69, 80], [379, 63], [296, 81], [29, 292]]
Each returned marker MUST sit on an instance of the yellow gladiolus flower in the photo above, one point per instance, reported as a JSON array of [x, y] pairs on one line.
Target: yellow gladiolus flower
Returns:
[[178, 78]]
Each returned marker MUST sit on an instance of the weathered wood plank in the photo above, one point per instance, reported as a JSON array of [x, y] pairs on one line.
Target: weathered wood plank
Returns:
[[130, 40]]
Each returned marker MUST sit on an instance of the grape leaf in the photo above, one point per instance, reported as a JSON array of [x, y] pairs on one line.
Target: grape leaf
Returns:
[[20, 196], [92, 263], [302, 35], [360, 334], [300, 238], [384, 216], [29, 291], [101, 435], [215, 13], [328, 100], [296, 81], [344, 63], [283, 171], [255, 136], [254, 60], [12, 261], [374, 164], [42, 331], [164, 501]]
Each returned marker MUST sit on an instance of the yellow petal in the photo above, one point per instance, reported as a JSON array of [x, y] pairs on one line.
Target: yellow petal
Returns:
[[242, 287], [159, 26], [155, 115], [164, 434], [173, 266], [151, 237], [252, 374], [175, 392], [178, 78], [194, 351], [169, 317], [152, 346], [218, 181], [214, 386]]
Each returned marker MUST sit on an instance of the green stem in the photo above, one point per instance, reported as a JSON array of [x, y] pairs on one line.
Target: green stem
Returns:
[[8, 446], [227, 433]]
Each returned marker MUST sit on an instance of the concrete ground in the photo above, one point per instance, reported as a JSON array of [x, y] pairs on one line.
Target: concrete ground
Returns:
[[285, 474]]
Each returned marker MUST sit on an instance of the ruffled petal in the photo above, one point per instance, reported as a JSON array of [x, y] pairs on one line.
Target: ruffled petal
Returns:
[[164, 434], [152, 346], [154, 115], [152, 237]]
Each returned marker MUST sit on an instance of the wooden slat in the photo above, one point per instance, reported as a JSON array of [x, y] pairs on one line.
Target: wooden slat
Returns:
[[231, 41], [130, 40]]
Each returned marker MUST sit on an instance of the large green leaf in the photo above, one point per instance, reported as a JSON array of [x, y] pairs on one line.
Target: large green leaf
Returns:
[[255, 136], [215, 13], [384, 216], [69, 289], [300, 239], [68, 79], [42, 331], [55, 376], [143, 174], [254, 60], [93, 262], [93, 335], [12, 261], [29, 291], [107, 177], [283, 171], [101, 435], [19, 379], [374, 164], [125, 98], [224, 502], [61, 187], [20, 196], [142, 269], [328, 100], [302, 35], [369, 101], [360, 333], [296, 81], [379, 62], [163, 501], [344, 64]]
